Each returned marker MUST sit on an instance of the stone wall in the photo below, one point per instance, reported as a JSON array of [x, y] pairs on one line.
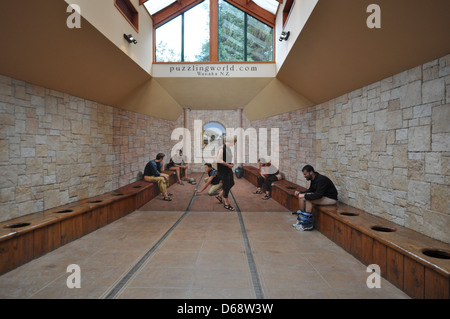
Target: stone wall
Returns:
[[386, 146], [297, 140], [56, 148]]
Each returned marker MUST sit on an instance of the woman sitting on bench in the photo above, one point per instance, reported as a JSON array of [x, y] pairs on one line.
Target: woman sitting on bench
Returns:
[[176, 163], [268, 174]]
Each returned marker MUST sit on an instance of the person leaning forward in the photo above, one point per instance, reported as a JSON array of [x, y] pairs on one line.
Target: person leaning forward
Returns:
[[212, 179], [321, 190], [152, 173]]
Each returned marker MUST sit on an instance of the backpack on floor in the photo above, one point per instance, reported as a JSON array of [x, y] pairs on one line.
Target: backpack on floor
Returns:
[[306, 219]]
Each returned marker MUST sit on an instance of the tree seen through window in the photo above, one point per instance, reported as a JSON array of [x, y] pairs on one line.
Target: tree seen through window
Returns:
[[241, 37]]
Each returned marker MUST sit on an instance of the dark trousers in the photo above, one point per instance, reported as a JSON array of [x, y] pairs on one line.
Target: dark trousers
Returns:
[[266, 182], [227, 183]]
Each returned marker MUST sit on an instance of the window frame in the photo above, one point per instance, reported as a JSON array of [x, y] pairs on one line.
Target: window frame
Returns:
[[182, 53], [214, 33], [287, 10], [134, 13], [245, 29]]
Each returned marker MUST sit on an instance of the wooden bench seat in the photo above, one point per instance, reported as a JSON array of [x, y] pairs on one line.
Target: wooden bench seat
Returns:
[[283, 192], [401, 253], [251, 173], [25, 238]]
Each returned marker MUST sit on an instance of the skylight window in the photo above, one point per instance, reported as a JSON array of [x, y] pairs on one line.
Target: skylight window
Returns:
[[154, 6], [269, 5], [191, 36]]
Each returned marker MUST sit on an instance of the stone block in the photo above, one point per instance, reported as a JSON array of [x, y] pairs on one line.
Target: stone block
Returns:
[[433, 163], [440, 142], [419, 193], [394, 120], [400, 183], [51, 199], [411, 94], [439, 198], [400, 155], [419, 139], [380, 120], [379, 141], [441, 119], [415, 170], [433, 91]]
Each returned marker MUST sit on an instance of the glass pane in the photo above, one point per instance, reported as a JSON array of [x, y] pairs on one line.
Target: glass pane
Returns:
[[231, 33], [154, 6], [259, 41], [269, 5], [196, 33], [168, 41]]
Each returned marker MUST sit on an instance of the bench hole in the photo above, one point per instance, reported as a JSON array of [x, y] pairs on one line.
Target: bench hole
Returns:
[[437, 253], [383, 229], [96, 201], [348, 214], [137, 186], [117, 194], [64, 211], [291, 187], [18, 225]]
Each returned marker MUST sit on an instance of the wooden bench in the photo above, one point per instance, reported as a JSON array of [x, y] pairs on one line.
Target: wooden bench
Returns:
[[415, 263], [251, 173], [283, 192], [28, 237]]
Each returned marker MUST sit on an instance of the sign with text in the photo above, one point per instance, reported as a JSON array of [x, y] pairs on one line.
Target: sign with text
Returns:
[[218, 70]]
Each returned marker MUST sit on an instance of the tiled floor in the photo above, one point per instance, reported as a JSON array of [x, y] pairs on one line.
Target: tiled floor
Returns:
[[204, 256]]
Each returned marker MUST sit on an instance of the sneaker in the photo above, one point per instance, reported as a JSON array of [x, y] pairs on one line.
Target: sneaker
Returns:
[[296, 224], [301, 228]]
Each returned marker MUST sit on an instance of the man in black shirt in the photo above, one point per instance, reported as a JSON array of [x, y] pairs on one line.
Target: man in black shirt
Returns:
[[321, 192], [152, 173], [212, 180]]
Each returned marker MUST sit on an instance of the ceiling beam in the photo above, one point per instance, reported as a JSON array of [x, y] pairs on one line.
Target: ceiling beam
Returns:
[[170, 12], [256, 11]]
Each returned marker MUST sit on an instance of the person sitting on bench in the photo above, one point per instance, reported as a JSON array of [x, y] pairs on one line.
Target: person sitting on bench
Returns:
[[152, 173], [176, 163], [212, 180], [321, 192], [268, 173]]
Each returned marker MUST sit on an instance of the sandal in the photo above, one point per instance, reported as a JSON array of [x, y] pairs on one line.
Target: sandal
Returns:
[[258, 191], [266, 197], [167, 199], [181, 183], [229, 207], [219, 199]]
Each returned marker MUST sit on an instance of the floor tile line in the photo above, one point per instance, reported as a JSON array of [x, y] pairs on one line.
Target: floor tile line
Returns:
[[248, 252], [121, 284]]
